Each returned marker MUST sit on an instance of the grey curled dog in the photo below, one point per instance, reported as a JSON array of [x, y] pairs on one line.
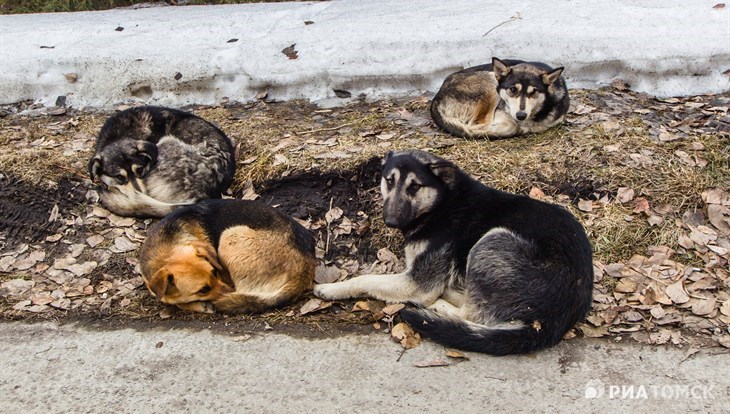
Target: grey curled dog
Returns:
[[150, 160]]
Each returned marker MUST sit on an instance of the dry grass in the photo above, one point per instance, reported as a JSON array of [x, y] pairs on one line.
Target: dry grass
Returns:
[[580, 159]]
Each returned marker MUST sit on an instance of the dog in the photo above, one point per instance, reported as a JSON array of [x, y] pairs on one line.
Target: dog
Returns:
[[502, 99], [229, 256], [151, 160], [498, 273]]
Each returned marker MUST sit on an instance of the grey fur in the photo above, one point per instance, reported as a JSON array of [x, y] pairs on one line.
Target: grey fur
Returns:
[[150, 160]]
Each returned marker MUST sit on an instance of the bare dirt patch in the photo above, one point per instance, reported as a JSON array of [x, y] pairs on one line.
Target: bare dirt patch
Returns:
[[648, 178]]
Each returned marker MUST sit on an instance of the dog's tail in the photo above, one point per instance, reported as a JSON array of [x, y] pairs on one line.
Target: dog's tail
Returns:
[[139, 204], [463, 120], [458, 333]]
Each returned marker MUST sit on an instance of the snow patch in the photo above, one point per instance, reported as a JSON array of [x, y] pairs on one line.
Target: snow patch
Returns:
[[182, 55]]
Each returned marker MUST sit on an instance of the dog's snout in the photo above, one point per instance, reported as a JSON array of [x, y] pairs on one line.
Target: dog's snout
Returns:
[[521, 116], [391, 222]]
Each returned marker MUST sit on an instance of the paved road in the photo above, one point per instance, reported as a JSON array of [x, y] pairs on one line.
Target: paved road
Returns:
[[51, 368]]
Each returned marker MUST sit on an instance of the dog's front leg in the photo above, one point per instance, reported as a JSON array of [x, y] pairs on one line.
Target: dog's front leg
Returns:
[[502, 125], [397, 288]]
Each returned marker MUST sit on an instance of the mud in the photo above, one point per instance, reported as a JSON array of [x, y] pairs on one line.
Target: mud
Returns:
[[27, 211]]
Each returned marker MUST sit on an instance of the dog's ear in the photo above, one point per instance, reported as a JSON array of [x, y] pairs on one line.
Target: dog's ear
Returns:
[[445, 171], [500, 69], [385, 159], [95, 167], [148, 150], [207, 252], [161, 282], [548, 78]]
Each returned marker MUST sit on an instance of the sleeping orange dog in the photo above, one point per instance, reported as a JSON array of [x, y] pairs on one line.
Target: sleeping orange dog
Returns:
[[231, 256]]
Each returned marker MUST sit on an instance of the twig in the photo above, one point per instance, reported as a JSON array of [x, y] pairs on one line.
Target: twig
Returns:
[[327, 245], [312, 131], [511, 19], [45, 350], [401, 355]]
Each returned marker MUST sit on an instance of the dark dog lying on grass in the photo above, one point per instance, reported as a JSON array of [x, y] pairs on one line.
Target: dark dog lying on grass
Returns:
[[498, 273]]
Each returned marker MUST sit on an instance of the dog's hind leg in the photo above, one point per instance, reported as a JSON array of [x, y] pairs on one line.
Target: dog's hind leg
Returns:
[[445, 308], [502, 283], [397, 288]]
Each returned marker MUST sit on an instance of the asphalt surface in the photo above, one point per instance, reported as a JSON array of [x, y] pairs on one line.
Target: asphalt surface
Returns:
[[65, 368]]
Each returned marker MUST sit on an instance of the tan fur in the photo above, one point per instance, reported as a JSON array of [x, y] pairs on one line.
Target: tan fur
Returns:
[[469, 105], [265, 268], [473, 116], [250, 272]]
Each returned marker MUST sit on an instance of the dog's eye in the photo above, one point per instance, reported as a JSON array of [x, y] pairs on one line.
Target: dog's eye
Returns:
[[413, 188], [205, 289], [120, 178], [389, 182], [513, 90]]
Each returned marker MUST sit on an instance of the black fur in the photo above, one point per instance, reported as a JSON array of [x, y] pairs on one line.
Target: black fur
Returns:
[[542, 278], [215, 216]]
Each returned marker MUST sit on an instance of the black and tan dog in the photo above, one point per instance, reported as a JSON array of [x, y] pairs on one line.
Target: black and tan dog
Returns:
[[150, 160], [231, 256], [501, 99], [499, 273]]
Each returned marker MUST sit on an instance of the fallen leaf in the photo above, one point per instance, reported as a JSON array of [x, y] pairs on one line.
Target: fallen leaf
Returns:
[[405, 335], [361, 306], [714, 196], [290, 52], [592, 332], [624, 194], [393, 308], [167, 312], [249, 192], [725, 341], [94, 240], [333, 215], [537, 193], [676, 293], [585, 205], [327, 274], [453, 353], [719, 216], [703, 306], [641, 205], [122, 245], [314, 305], [655, 220], [657, 312], [725, 308], [719, 6], [386, 256], [279, 159]]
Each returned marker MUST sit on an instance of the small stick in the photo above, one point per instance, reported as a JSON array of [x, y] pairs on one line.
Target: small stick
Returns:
[[511, 19], [312, 131], [327, 245]]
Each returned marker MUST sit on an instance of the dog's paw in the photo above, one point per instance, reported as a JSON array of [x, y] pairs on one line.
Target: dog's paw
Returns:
[[330, 291], [207, 307], [202, 307]]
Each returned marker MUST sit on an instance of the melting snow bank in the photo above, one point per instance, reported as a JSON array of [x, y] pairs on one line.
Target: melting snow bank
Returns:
[[203, 54]]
